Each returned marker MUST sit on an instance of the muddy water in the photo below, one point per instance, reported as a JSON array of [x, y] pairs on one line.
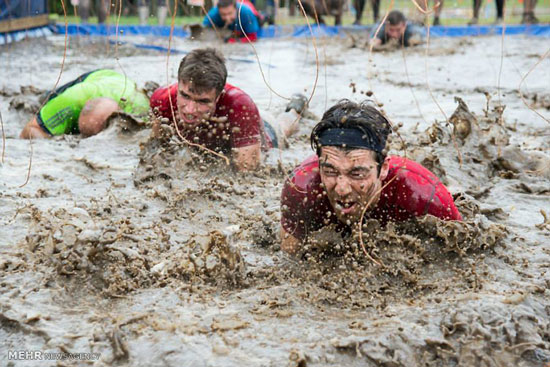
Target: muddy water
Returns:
[[158, 255]]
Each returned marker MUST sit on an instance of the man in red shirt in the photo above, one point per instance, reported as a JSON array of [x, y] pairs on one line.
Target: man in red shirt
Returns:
[[350, 174], [218, 116]]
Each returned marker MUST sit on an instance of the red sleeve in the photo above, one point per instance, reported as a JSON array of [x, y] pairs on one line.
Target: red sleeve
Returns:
[[244, 118], [420, 192], [442, 205], [252, 7], [160, 101]]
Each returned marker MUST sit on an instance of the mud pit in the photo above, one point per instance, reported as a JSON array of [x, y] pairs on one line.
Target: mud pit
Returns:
[[157, 257]]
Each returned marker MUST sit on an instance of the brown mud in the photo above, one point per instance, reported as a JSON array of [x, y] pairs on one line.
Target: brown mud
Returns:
[[157, 254]]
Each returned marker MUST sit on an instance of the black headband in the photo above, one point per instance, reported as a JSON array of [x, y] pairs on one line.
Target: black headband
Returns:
[[352, 138]]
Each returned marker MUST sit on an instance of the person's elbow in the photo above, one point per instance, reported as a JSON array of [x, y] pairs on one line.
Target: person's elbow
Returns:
[[33, 131]]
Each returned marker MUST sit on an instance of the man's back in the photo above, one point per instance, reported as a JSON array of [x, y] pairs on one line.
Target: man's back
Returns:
[[60, 113]]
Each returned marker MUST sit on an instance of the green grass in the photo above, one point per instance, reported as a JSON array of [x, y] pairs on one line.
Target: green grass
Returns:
[[455, 12], [125, 20]]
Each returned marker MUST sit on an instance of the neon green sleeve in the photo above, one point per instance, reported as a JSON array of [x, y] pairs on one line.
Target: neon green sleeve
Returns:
[[60, 114]]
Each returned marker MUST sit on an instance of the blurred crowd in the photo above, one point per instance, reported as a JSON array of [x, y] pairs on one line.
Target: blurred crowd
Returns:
[[266, 11]]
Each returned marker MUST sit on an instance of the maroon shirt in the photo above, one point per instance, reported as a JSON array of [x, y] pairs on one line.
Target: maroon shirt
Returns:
[[243, 127], [412, 190]]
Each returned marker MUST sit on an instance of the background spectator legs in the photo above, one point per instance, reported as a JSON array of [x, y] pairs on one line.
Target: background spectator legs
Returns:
[[359, 5], [477, 6], [438, 4], [529, 12], [143, 11], [101, 7]]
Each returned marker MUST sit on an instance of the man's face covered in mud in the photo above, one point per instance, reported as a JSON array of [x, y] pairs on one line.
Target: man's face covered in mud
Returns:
[[193, 108], [395, 31], [351, 180]]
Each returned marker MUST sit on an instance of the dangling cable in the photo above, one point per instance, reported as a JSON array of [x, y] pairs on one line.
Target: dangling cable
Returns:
[[50, 92], [523, 79]]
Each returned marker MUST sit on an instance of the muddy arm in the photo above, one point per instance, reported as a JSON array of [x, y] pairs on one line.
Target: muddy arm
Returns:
[[289, 243], [33, 131], [375, 42], [247, 158]]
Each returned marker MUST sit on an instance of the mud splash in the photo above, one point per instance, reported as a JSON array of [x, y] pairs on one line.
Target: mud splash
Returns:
[[133, 253]]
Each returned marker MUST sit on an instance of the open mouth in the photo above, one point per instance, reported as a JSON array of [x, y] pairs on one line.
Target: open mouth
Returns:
[[345, 207], [189, 119]]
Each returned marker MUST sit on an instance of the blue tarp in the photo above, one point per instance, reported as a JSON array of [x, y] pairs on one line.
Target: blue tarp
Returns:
[[437, 31], [304, 31], [10, 37], [123, 30]]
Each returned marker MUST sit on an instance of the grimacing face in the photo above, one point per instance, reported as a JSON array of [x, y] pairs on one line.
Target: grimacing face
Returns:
[[228, 14], [395, 31], [351, 180], [193, 108]]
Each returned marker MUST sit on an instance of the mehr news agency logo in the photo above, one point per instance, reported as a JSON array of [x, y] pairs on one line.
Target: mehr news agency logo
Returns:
[[38, 355]]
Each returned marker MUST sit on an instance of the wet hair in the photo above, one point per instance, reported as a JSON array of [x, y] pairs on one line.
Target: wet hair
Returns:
[[363, 117], [395, 17], [203, 69], [225, 3]]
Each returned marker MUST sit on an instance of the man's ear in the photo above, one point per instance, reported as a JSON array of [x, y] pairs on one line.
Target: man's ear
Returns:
[[384, 169]]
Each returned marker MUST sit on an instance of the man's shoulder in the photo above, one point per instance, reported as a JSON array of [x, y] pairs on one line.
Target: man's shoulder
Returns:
[[306, 176], [212, 17], [235, 97], [231, 90], [245, 9], [163, 98], [162, 93], [401, 168], [414, 29], [381, 33]]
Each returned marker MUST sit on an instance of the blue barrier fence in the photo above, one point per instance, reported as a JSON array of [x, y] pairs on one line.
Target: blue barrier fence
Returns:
[[272, 31], [10, 37], [304, 31]]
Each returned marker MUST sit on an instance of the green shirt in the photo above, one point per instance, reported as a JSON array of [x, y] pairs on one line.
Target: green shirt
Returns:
[[60, 113]]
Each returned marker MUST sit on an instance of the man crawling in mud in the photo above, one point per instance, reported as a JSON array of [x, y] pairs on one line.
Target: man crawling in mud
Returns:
[[84, 105], [396, 31], [206, 111], [351, 174], [240, 17]]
